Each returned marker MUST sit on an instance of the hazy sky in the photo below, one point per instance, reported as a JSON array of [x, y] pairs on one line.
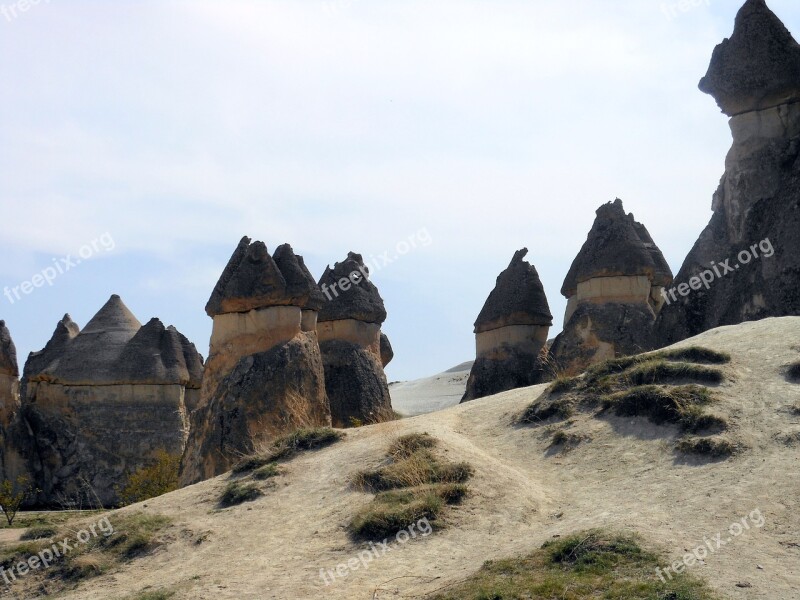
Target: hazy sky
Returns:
[[165, 131]]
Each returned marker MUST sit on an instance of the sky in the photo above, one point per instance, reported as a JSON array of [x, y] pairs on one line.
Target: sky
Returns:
[[139, 141]]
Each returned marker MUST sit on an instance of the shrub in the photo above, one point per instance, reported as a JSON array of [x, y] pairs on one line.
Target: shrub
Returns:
[[420, 468], [13, 495], [237, 492], [157, 479]]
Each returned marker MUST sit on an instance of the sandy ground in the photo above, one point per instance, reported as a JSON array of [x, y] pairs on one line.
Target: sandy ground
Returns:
[[626, 477], [412, 398]]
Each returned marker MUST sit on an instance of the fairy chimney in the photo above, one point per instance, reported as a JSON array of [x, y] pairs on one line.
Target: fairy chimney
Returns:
[[510, 332], [264, 372], [349, 332], [614, 292]]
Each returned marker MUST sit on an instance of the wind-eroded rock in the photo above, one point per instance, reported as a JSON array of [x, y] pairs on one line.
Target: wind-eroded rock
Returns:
[[749, 254], [349, 332], [264, 373], [510, 331], [99, 402]]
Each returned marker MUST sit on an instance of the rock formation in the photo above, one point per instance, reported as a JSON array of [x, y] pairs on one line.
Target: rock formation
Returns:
[[387, 353], [9, 377], [746, 263], [264, 372], [97, 403], [613, 290], [349, 332], [510, 331]]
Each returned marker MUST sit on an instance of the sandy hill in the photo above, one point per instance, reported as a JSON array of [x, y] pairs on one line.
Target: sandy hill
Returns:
[[412, 398], [626, 477]]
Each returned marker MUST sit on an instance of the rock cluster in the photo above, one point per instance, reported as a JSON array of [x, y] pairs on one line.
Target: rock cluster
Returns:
[[264, 372], [510, 332], [746, 263], [98, 403], [354, 351], [614, 292]]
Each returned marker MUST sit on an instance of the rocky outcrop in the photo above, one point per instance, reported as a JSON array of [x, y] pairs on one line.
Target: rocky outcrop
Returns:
[[9, 377], [387, 353], [510, 332], [349, 332], [746, 263], [614, 292], [264, 372], [99, 402]]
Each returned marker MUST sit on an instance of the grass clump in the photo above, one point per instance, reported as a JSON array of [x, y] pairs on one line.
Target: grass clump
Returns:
[[152, 595], [412, 485], [395, 510], [710, 447], [696, 354], [593, 564], [559, 409], [675, 405], [267, 472], [793, 372], [288, 446], [662, 371], [40, 532], [237, 492], [406, 445]]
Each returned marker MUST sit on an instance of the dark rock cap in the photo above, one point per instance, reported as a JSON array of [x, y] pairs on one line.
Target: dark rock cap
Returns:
[[8, 352], [518, 298], [114, 348], [360, 301], [612, 249], [250, 280], [158, 354], [758, 67], [663, 274], [300, 285]]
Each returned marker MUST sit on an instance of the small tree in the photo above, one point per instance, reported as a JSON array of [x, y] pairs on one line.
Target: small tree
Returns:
[[13, 495], [148, 482]]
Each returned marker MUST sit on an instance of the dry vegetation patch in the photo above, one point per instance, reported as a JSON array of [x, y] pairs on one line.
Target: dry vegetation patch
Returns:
[[412, 485], [593, 564], [660, 386]]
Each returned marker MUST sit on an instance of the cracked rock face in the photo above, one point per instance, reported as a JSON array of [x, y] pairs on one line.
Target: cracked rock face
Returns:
[[756, 209]]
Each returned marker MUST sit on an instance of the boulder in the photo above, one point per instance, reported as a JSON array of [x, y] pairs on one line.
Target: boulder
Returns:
[[387, 353], [510, 332]]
